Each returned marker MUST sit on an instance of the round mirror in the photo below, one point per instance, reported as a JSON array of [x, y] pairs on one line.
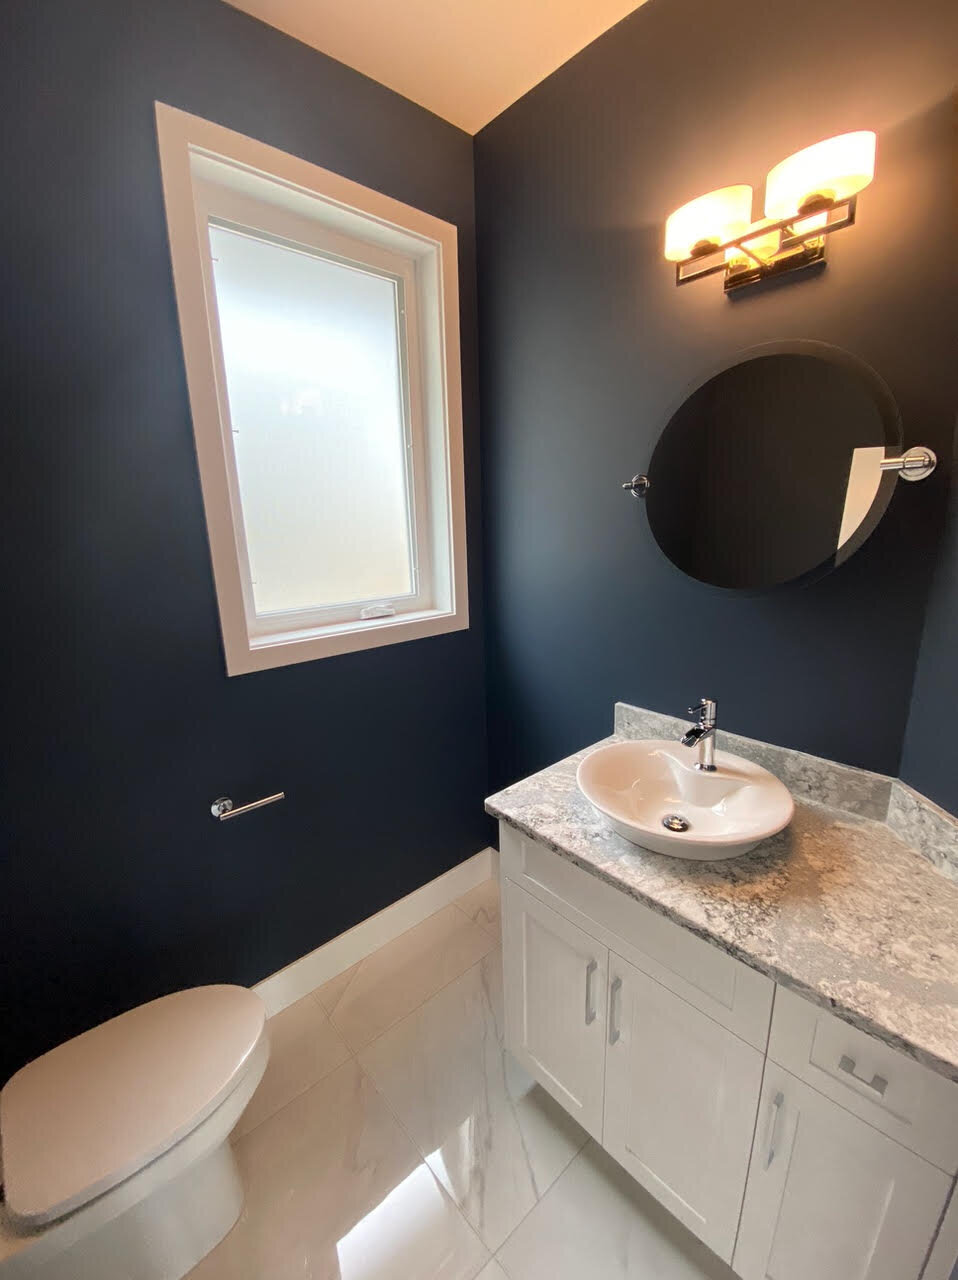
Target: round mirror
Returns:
[[769, 471]]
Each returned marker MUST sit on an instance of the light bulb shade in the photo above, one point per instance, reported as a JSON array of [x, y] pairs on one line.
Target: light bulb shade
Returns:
[[821, 175], [708, 221]]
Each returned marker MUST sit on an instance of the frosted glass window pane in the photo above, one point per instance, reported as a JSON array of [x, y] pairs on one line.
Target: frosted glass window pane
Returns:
[[311, 349]]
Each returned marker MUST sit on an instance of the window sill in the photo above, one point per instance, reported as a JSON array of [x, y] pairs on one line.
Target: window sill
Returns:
[[284, 648]]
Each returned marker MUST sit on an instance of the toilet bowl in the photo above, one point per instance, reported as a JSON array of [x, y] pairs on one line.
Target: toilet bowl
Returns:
[[115, 1154]]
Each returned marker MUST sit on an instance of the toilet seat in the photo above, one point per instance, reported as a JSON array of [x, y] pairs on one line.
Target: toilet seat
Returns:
[[93, 1112]]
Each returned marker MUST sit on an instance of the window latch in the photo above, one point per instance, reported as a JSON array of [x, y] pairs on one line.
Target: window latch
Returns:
[[377, 611]]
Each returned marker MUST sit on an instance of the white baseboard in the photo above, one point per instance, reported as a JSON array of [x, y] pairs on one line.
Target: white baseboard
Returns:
[[333, 957]]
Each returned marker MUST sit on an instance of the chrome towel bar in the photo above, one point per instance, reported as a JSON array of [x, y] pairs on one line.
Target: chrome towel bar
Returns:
[[223, 807]]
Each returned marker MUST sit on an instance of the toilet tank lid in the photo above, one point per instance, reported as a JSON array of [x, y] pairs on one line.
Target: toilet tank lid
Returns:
[[97, 1109]]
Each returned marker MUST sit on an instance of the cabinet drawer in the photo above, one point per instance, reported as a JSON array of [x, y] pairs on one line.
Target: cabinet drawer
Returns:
[[734, 995], [900, 1097]]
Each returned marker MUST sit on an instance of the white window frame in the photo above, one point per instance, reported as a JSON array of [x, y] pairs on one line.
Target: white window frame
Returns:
[[212, 173], [231, 209]]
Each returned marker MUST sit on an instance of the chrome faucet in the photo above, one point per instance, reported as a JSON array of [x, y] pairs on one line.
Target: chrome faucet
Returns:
[[703, 734]]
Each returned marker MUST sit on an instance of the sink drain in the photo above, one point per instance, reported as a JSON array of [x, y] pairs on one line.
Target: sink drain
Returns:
[[675, 822]]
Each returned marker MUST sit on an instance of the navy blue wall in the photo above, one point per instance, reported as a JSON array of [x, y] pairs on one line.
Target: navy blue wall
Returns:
[[121, 726], [586, 344], [115, 883], [930, 758]]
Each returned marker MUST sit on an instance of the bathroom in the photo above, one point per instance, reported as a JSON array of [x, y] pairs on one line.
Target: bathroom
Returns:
[[527, 157]]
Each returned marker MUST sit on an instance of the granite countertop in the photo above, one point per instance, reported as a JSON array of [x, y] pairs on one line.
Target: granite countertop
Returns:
[[837, 907]]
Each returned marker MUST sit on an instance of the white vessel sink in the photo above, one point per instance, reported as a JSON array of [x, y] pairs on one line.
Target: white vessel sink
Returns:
[[637, 785]]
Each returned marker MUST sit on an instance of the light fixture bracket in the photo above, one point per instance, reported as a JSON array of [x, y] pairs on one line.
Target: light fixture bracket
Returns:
[[799, 248], [805, 257]]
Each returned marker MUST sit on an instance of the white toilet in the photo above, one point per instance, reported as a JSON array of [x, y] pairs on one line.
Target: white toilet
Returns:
[[115, 1154]]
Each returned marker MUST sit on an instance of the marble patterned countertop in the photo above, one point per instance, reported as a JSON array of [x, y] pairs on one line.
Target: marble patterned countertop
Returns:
[[837, 907]]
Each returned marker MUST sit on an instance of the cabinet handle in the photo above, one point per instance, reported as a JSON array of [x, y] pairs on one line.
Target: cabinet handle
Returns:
[[589, 1002], [614, 990], [877, 1083], [773, 1128]]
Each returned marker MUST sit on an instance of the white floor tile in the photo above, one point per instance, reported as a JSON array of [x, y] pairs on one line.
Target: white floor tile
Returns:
[[492, 1271], [336, 1191], [495, 1140], [378, 991], [304, 1046], [597, 1224], [481, 905], [330, 993]]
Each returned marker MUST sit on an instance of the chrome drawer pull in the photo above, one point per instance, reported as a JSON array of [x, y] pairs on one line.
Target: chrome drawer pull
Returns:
[[773, 1128], [878, 1083], [589, 1002], [614, 1031]]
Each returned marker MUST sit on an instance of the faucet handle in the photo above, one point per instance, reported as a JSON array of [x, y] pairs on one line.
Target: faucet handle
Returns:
[[705, 710]]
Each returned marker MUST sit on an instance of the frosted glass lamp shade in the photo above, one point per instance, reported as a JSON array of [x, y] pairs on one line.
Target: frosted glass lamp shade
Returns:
[[821, 175], [708, 221]]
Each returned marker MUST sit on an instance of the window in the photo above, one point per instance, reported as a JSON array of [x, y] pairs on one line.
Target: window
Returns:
[[320, 332]]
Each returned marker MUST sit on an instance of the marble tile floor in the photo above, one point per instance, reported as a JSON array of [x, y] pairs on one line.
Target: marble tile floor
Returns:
[[393, 1138]]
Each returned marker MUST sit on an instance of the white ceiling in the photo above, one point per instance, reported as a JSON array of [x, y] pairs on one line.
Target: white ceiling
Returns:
[[466, 60]]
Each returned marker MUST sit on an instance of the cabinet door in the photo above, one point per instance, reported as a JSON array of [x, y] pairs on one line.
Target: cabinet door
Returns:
[[829, 1196], [680, 1100], [555, 978], [943, 1260]]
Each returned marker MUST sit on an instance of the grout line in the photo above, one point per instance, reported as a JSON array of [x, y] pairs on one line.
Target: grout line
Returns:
[[312, 1084], [392, 1026], [350, 1054], [370, 1079], [424, 1154], [314, 994], [325, 962], [548, 1191], [289, 1101], [486, 928], [363, 960], [422, 1160], [425, 1000], [353, 1054]]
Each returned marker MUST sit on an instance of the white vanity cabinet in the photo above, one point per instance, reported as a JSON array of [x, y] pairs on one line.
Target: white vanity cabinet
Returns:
[[854, 1140], [666, 1087], [795, 1146], [555, 1003], [829, 1196], [680, 1099]]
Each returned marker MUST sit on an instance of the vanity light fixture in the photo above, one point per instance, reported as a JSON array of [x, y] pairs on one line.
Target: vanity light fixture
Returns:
[[704, 223], [807, 196]]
